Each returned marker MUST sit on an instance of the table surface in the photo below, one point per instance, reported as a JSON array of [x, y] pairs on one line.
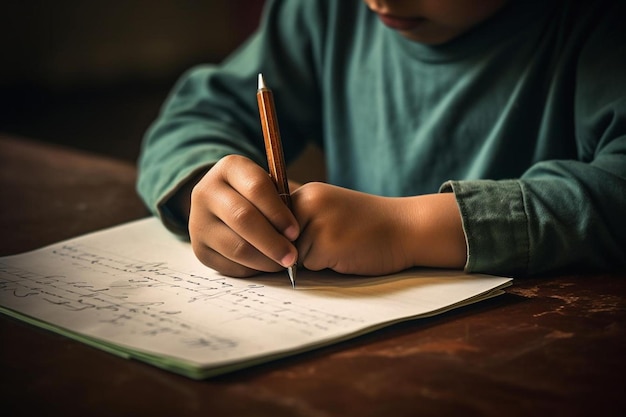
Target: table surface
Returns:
[[549, 346]]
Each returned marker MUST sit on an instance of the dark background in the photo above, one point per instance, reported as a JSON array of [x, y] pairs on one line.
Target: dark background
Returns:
[[92, 74]]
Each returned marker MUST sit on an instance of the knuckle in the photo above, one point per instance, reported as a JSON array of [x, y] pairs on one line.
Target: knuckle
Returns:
[[312, 195], [215, 261], [204, 254], [243, 215], [226, 161], [223, 169], [199, 190], [257, 187], [240, 249], [204, 188]]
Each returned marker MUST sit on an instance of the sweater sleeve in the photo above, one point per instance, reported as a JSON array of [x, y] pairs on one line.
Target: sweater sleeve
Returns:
[[212, 110], [562, 214]]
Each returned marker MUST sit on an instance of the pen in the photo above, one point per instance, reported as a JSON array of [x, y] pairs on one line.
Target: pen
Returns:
[[274, 151]]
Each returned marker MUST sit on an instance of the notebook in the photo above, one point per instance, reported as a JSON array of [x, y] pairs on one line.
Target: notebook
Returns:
[[137, 291]]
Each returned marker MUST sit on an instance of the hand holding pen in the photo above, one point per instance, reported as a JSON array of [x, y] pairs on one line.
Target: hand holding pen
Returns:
[[240, 225], [241, 220]]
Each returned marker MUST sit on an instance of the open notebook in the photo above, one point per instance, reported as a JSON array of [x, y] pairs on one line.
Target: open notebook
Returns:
[[137, 291]]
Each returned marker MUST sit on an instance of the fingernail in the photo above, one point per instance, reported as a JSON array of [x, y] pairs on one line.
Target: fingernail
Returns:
[[291, 233], [288, 260]]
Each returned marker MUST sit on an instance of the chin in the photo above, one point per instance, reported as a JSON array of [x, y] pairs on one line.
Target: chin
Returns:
[[429, 38]]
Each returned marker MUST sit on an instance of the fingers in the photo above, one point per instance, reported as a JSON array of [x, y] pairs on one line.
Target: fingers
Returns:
[[312, 205], [348, 231], [251, 260], [244, 227], [238, 224], [259, 200]]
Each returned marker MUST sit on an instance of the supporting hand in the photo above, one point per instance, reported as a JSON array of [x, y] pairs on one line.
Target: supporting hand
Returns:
[[357, 233]]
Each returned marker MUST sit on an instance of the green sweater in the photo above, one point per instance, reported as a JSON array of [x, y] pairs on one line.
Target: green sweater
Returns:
[[523, 118]]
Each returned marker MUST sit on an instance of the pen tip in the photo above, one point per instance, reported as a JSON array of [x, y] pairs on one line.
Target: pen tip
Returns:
[[261, 83], [292, 275]]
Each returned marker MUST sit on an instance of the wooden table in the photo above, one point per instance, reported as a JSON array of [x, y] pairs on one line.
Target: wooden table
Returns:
[[553, 346]]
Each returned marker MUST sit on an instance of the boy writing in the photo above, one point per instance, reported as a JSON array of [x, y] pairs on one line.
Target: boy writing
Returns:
[[488, 135]]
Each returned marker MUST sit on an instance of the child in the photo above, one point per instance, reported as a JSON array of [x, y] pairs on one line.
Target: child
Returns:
[[488, 135]]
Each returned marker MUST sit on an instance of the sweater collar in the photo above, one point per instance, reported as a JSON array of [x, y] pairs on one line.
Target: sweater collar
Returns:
[[517, 18]]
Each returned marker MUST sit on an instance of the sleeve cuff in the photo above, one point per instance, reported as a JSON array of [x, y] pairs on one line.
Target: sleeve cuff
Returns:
[[173, 222], [495, 224]]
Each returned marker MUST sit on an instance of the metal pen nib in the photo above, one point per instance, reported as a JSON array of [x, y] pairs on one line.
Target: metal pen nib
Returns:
[[292, 275]]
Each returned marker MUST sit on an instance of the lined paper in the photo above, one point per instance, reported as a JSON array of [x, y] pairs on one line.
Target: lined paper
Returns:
[[137, 291]]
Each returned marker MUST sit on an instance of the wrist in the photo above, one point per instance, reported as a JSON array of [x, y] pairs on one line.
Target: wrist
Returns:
[[435, 235]]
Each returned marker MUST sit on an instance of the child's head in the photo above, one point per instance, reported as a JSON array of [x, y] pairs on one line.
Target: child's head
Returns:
[[433, 21]]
